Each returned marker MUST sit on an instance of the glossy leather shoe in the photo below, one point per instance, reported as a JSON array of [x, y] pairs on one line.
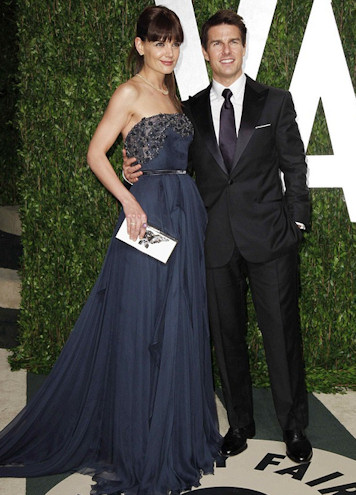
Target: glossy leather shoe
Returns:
[[299, 448], [235, 440]]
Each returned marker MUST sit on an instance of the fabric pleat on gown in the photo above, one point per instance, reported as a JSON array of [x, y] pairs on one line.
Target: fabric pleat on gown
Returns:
[[130, 400]]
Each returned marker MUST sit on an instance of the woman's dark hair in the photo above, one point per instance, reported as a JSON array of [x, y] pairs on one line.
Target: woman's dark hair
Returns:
[[157, 23], [223, 17]]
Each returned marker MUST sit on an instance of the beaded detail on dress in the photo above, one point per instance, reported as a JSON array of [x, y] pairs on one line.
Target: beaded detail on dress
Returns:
[[147, 137]]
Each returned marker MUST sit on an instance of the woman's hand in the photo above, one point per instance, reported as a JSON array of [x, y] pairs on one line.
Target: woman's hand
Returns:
[[136, 219]]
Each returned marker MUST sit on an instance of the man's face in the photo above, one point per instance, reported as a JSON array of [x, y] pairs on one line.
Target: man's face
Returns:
[[225, 52]]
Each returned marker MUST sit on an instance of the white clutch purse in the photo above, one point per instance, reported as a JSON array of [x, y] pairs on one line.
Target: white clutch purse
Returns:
[[155, 243]]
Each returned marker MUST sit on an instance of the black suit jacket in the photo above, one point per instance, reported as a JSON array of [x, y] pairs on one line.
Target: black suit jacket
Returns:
[[248, 207]]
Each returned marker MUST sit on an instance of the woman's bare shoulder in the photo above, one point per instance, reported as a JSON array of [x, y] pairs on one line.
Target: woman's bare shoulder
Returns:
[[127, 92]]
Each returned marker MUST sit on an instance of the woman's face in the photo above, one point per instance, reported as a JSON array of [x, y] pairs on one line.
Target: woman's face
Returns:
[[159, 56]]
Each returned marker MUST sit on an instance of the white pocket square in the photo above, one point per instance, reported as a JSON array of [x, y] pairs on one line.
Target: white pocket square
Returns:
[[263, 125]]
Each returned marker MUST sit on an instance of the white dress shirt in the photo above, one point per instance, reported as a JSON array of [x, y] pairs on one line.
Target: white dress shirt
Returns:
[[217, 100]]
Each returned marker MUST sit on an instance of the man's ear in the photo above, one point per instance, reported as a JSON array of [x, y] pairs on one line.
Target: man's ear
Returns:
[[139, 46], [205, 53]]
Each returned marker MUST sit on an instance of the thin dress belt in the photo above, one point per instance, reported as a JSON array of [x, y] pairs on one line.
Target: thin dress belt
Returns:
[[164, 172]]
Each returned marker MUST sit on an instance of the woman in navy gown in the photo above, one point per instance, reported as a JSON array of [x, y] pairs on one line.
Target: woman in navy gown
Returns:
[[130, 400]]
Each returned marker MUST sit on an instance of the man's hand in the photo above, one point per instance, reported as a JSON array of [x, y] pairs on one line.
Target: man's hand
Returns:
[[131, 173]]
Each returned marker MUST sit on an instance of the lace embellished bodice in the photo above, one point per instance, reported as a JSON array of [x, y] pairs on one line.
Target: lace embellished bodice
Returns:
[[151, 135]]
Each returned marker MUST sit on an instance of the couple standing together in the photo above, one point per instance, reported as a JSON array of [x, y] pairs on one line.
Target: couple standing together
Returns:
[[245, 134], [130, 399]]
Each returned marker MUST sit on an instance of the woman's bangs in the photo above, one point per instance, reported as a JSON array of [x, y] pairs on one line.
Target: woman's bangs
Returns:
[[164, 29]]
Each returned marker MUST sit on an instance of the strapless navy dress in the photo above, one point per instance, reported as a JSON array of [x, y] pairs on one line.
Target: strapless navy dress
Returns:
[[130, 400]]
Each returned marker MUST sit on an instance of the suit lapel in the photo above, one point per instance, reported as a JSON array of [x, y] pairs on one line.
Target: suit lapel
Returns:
[[201, 111], [254, 99]]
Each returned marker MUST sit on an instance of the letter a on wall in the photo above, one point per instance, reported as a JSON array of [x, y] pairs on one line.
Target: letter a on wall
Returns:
[[321, 72]]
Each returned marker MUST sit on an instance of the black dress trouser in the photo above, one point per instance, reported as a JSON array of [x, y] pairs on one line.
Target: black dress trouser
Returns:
[[274, 287]]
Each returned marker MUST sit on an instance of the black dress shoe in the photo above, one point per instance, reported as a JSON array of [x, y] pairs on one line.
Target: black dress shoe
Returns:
[[299, 448], [235, 440]]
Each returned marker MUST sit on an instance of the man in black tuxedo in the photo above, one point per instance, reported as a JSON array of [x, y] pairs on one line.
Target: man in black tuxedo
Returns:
[[245, 136]]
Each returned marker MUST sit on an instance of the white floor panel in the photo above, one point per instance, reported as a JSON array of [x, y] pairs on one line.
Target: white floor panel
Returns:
[[343, 407], [265, 469], [12, 390]]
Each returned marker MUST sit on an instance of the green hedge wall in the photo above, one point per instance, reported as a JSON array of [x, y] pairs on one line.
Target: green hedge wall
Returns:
[[72, 55], [9, 139]]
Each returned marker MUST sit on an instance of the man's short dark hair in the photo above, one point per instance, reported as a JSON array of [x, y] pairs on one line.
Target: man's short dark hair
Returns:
[[223, 17]]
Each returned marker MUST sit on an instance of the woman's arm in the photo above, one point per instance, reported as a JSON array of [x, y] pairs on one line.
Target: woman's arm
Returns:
[[116, 120]]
